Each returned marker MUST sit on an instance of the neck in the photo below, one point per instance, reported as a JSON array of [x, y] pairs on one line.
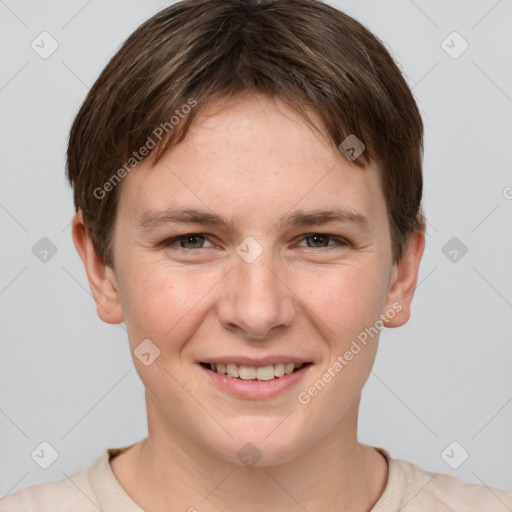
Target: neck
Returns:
[[166, 472]]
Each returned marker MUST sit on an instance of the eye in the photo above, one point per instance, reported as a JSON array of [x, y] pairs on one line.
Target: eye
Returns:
[[192, 241], [185, 241], [319, 240]]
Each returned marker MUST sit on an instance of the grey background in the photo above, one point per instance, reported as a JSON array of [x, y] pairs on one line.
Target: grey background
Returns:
[[67, 378]]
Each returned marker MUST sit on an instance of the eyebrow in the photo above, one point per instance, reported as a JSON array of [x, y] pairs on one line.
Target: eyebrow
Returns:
[[153, 219]]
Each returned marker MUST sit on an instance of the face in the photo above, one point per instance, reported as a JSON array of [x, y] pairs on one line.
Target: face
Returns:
[[255, 277]]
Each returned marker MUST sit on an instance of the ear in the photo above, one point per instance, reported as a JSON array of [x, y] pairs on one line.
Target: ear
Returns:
[[101, 277], [404, 277]]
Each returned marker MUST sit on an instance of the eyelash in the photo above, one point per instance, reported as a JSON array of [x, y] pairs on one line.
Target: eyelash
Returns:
[[170, 241]]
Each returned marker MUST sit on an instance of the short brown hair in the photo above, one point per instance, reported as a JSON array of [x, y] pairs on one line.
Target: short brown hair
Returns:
[[305, 52]]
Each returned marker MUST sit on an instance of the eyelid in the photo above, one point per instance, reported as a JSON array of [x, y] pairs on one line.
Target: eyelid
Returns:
[[173, 239], [341, 241]]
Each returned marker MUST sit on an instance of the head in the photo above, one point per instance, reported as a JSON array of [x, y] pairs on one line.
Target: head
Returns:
[[228, 115]]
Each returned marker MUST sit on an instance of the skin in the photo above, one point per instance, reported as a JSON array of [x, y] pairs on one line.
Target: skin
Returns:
[[253, 161]]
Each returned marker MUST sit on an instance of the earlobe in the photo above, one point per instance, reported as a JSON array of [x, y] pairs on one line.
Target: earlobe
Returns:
[[101, 278], [403, 281]]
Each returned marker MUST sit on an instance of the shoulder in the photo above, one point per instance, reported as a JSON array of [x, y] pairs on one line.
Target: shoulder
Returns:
[[73, 494], [423, 490]]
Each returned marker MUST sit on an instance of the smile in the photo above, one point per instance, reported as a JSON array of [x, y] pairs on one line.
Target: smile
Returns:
[[255, 382], [244, 372]]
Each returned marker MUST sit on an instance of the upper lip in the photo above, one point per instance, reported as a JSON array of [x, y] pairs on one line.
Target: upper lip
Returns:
[[249, 361]]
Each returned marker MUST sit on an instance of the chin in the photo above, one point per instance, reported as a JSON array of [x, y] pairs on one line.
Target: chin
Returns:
[[254, 444]]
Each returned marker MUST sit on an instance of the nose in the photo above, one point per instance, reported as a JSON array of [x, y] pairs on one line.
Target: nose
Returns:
[[257, 301]]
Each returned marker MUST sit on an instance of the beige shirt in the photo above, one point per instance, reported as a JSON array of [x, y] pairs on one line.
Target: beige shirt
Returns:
[[409, 489]]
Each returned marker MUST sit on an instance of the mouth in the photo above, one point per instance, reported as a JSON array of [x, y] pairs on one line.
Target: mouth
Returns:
[[259, 373], [261, 382]]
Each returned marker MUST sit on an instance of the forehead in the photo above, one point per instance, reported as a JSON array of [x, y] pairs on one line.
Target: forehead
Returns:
[[252, 159]]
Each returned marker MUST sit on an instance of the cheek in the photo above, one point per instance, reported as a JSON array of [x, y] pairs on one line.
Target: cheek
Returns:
[[162, 300], [165, 302], [342, 301]]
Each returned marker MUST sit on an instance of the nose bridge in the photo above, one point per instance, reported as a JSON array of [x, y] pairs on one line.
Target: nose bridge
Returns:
[[257, 300]]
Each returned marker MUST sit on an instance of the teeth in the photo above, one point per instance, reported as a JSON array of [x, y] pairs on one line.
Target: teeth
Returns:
[[279, 369], [251, 372], [289, 367], [232, 370], [265, 372], [247, 372]]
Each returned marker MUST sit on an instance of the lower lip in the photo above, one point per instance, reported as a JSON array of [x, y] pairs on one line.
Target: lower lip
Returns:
[[256, 389]]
